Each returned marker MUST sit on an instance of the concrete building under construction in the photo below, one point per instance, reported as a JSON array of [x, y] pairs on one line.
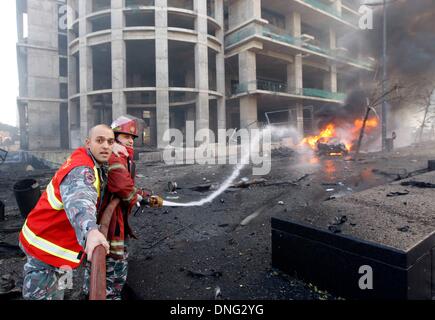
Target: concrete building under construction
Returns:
[[222, 64]]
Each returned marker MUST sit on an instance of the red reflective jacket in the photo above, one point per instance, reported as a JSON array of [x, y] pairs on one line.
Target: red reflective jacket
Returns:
[[47, 233], [121, 184]]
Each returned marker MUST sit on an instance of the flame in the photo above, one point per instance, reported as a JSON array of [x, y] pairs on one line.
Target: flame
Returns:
[[347, 134], [327, 133]]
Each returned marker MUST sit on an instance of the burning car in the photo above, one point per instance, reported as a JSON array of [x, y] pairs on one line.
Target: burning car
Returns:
[[336, 140], [331, 147]]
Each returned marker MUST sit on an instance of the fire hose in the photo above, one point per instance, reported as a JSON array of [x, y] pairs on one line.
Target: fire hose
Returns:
[[97, 286]]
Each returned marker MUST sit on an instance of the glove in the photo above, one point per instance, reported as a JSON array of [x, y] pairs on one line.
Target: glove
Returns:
[[152, 202], [155, 202]]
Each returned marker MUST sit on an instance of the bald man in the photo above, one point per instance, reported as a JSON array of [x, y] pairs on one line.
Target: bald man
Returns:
[[62, 229]]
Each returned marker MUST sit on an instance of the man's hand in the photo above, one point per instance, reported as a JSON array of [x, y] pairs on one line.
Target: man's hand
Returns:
[[94, 239], [118, 149]]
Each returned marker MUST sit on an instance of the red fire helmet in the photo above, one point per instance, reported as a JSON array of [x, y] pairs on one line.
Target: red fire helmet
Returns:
[[126, 125]]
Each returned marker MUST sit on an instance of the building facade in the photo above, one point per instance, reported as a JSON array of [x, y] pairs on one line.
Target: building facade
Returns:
[[222, 64], [42, 57]]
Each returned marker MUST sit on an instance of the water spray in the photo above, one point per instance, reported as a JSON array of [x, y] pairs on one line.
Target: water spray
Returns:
[[227, 183]]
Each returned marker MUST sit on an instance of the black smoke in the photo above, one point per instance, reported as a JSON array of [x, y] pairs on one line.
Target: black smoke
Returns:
[[410, 53]]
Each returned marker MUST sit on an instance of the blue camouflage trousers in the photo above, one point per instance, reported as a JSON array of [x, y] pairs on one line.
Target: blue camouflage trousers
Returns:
[[116, 276], [44, 282]]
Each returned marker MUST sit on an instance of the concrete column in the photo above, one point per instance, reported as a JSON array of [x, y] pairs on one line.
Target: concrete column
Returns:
[[86, 113], [153, 128], [19, 17], [72, 89], [242, 10], [337, 6], [248, 77], [330, 79], [332, 39], [220, 66], [72, 74], [248, 112], [119, 102], [295, 75], [256, 8], [300, 118], [162, 71], [248, 69], [190, 114], [293, 24], [201, 66]]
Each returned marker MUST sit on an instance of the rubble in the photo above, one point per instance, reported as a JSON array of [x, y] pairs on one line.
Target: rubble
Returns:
[[215, 234], [8, 251], [404, 229], [283, 152], [398, 193], [199, 274], [8, 288], [418, 184]]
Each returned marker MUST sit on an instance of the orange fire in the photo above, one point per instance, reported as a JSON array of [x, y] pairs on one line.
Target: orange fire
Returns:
[[348, 134], [326, 133]]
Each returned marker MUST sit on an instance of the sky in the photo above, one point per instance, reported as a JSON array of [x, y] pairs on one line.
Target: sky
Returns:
[[8, 63]]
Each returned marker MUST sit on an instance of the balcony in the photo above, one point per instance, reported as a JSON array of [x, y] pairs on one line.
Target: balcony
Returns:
[[251, 31], [309, 92], [281, 87], [331, 10]]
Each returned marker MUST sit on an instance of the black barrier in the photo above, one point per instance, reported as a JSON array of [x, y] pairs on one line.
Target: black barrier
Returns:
[[353, 268], [27, 194]]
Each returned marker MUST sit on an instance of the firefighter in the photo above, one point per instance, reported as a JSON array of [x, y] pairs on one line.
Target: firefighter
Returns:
[[121, 184], [62, 229]]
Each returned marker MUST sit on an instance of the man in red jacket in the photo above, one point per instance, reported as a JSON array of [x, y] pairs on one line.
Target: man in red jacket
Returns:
[[121, 185], [63, 225]]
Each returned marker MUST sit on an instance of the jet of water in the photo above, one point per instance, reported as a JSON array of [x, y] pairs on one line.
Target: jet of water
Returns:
[[226, 184]]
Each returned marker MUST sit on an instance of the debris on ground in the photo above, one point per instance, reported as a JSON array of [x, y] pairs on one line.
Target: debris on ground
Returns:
[[198, 274], [257, 212], [400, 176], [9, 251], [340, 220], [217, 293], [8, 230], [392, 175], [334, 229], [8, 288], [404, 229], [418, 184], [214, 235], [283, 152], [398, 193], [247, 183]]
